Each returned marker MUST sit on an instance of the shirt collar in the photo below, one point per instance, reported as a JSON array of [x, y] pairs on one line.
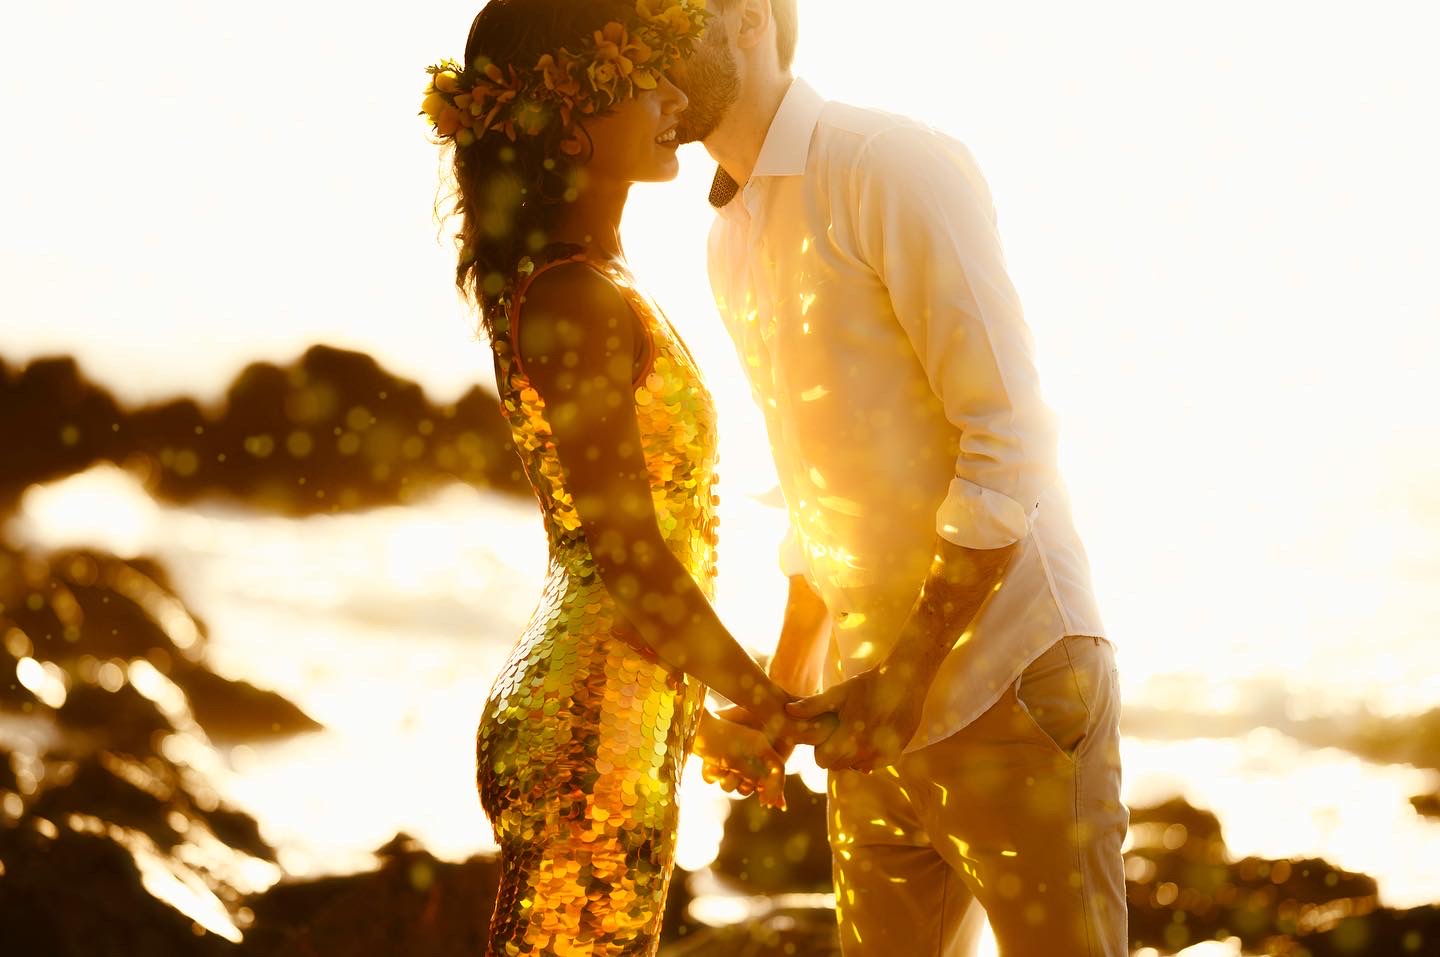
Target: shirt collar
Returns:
[[787, 143]]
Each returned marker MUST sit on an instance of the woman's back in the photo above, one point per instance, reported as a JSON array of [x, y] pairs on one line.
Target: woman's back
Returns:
[[585, 732], [677, 429]]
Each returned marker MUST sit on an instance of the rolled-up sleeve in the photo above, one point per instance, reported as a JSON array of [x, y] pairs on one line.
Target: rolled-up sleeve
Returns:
[[926, 225]]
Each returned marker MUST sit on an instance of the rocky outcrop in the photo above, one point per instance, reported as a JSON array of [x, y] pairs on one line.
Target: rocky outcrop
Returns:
[[91, 615], [765, 852], [112, 838], [1183, 888], [331, 431]]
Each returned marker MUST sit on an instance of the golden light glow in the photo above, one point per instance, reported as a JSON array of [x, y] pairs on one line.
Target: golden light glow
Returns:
[[411, 608]]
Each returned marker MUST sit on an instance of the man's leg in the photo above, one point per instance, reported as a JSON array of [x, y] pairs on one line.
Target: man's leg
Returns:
[[1026, 802], [893, 893]]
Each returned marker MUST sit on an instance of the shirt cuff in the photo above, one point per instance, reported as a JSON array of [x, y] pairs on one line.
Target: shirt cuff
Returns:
[[792, 555], [973, 516]]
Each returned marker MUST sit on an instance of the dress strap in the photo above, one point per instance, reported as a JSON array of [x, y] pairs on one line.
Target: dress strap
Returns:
[[518, 299]]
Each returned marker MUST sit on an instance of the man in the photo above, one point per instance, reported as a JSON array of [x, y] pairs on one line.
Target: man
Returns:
[[932, 556]]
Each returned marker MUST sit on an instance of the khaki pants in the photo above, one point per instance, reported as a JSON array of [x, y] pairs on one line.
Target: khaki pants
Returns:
[[1019, 812]]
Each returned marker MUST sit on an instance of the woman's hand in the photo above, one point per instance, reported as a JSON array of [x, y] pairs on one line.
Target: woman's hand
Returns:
[[741, 760]]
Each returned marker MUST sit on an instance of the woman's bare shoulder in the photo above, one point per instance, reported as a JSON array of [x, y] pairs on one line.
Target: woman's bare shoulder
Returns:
[[574, 314]]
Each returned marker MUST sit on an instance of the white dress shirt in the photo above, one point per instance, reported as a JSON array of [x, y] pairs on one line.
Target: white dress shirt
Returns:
[[860, 274]]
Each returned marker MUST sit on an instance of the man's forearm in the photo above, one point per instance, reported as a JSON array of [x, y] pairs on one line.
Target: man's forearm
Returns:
[[804, 637], [959, 581]]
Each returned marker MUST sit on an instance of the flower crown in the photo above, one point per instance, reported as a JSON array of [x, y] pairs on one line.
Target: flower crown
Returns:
[[465, 104]]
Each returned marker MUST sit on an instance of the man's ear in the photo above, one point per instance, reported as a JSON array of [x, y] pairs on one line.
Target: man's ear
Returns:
[[755, 20]]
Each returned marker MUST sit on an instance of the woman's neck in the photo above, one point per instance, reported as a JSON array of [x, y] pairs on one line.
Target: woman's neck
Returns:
[[593, 219]]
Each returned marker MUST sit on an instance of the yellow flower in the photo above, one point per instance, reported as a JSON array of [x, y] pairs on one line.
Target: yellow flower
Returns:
[[666, 13], [613, 61], [447, 82], [433, 104]]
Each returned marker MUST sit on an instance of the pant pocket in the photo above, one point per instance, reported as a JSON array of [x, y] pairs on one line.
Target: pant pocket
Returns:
[[1052, 691]]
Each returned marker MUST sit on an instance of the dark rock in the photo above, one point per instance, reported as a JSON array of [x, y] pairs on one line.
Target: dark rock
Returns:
[[1184, 888], [101, 786], [53, 422], [80, 895], [413, 905], [787, 932], [236, 711], [238, 831], [1382, 932], [332, 431], [97, 790], [74, 603], [1427, 805], [123, 719], [768, 852], [80, 605]]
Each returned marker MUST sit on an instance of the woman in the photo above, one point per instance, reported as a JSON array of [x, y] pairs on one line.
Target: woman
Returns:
[[560, 105]]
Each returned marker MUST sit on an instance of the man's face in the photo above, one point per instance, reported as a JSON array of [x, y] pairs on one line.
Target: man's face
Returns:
[[711, 80]]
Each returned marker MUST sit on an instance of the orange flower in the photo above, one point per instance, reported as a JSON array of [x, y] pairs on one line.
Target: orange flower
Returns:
[[559, 73], [621, 58], [572, 144], [492, 95], [448, 122], [605, 78], [611, 44], [614, 60]]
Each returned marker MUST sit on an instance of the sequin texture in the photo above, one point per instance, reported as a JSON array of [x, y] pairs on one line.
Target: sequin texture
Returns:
[[585, 734]]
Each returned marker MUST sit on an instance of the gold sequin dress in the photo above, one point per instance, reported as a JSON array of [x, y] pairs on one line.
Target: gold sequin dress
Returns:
[[585, 733]]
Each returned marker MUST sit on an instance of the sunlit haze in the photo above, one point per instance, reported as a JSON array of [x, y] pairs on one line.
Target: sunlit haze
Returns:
[[1221, 219]]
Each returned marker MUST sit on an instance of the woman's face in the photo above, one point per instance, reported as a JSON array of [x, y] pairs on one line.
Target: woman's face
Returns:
[[636, 141]]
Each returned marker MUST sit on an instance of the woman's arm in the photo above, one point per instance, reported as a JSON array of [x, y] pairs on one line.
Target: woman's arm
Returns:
[[577, 343]]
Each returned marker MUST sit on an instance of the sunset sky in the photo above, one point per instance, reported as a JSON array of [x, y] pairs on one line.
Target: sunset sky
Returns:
[[1221, 220]]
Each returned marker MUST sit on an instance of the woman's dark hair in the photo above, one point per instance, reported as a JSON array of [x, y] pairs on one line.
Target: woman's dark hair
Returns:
[[508, 195]]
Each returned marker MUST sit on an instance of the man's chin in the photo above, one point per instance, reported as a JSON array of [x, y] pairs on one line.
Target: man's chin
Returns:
[[692, 132]]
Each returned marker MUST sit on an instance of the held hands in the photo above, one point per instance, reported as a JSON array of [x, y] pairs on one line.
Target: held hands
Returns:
[[878, 710], [740, 758], [744, 757]]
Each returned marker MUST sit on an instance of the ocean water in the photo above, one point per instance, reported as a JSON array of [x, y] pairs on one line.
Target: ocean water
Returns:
[[387, 627]]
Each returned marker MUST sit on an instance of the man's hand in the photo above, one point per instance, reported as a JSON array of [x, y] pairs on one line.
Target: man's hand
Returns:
[[783, 736], [879, 711]]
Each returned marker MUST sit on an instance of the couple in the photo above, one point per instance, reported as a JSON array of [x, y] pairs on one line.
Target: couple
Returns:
[[938, 590]]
